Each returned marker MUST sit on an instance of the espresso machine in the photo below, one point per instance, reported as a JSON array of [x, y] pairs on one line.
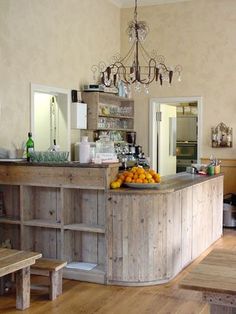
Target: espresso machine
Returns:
[[130, 154], [135, 150]]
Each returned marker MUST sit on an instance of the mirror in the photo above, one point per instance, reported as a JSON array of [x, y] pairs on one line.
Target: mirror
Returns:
[[50, 117]]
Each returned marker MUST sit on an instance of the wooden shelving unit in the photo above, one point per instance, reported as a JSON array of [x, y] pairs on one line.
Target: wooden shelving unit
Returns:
[[109, 112], [63, 220]]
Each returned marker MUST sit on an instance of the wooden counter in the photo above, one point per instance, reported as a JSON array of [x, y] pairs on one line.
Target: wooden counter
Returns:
[[154, 234], [135, 237]]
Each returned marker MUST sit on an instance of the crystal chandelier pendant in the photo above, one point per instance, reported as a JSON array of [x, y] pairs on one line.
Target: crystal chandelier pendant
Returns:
[[137, 87], [146, 88]]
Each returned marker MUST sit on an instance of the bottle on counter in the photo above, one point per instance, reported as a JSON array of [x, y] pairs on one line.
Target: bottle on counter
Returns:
[[84, 151], [29, 146]]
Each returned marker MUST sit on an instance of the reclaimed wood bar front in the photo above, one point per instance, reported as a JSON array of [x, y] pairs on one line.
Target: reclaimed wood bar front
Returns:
[[135, 237], [154, 234]]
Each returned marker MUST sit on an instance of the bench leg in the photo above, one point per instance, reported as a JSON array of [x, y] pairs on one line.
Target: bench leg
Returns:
[[23, 288], [55, 288], [2, 285]]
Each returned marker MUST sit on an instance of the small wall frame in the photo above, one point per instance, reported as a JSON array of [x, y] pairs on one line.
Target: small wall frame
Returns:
[[221, 136]]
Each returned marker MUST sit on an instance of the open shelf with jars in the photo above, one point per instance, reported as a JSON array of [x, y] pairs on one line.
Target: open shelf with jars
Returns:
[[109, 112]]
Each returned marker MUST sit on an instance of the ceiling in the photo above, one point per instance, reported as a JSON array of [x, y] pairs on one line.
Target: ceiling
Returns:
[[130, 3]]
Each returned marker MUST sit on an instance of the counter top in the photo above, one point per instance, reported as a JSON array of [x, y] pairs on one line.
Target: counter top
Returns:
[[170, 183], [75, 164]]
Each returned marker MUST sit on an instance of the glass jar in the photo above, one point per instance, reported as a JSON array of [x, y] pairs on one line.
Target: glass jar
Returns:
[[105, 145]]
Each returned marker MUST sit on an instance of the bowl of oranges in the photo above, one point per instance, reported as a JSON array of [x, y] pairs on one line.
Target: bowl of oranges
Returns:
[[137, 177]]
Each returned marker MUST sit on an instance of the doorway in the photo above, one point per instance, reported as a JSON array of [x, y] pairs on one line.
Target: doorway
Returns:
[[164, 114], [50, 117]]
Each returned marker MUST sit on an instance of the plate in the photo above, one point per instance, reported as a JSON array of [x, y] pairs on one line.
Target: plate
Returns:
[[143, 185]]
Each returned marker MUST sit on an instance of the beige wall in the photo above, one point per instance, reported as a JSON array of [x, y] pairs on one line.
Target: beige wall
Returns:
[[49, 42], [55, 43], [199, 35]]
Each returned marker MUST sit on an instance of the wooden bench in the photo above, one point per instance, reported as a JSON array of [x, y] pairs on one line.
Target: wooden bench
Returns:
[[18, 262], [52, 268], [215, 276]]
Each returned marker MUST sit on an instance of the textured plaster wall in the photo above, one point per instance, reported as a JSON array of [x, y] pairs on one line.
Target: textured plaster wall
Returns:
[[49, 42], [200, 35]]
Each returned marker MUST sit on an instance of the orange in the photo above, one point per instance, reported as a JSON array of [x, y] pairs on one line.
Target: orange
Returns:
[[121, 177], [115, 185], [152, 172], [148, 176], [139, 180], [128, 179], [120, 181], [125, 173], [130, 174], [142, 176], [157, 177], [134, 169], [140, 170]]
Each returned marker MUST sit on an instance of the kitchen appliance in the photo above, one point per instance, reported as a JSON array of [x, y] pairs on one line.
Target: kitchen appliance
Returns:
[[229, 211], [186, 128], [138, 150], [93, 88], [186, 153], [131, 138]]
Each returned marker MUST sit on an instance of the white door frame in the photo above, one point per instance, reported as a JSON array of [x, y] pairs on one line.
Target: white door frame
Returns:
[[51, 90], [154, 104]]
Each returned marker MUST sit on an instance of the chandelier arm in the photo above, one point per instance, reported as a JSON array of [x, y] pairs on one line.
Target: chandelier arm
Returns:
[[144, 54], [150, 66], [128, 54], [124, 73], [164, 67], [145, 51]]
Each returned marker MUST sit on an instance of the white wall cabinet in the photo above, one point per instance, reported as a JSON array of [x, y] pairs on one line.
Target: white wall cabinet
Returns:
[[78, 115]]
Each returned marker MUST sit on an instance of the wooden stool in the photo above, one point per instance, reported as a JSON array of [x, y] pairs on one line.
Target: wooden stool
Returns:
[[53, 269]]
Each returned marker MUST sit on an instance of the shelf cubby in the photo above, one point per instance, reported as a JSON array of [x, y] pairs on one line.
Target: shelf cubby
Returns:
[[43, 240], [86, 247], [10, 232], [10, 203], [42, 206]]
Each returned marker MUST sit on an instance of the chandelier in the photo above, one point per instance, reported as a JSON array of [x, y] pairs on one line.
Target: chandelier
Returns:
[[137, 67]]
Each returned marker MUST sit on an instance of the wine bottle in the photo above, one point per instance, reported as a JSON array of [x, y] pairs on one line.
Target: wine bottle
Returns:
[[29, 146]]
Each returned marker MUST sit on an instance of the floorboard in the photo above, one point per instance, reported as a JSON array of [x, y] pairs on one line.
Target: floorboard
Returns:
[[80, 297]]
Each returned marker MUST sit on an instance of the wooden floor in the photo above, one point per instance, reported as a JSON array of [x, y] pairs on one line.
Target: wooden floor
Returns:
[[86, 298]]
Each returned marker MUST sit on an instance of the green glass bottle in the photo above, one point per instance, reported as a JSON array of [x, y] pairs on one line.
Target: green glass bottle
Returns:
[[29, 146]]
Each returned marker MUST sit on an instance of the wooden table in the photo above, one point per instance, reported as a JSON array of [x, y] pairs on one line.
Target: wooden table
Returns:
[[215, 275], [19, 262]]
